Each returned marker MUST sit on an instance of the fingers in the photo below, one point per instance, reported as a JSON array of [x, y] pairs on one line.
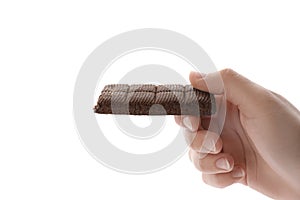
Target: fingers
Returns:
[[218, 168], [192, 123], [237, 175], [238, 90], [212, 164], [206, 142]]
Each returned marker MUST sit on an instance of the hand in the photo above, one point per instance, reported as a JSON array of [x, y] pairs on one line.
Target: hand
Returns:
[[259, 144]]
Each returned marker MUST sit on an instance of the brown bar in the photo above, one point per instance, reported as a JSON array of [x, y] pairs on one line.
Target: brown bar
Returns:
[[149, 99]]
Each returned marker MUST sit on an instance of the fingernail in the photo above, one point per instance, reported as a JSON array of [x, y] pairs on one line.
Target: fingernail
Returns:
[[238, 172], [189, 136], [187, 123], [223, 163], [208, 146]]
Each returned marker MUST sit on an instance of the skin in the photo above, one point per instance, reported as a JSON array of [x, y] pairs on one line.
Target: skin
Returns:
[[259, 144]]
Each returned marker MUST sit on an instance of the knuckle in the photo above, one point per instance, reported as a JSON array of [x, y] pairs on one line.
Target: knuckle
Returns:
[[218, 183], [205, 179], [196, 143], [201, 166], [269, 99], [228, 73], [271, 96], [214, 180]]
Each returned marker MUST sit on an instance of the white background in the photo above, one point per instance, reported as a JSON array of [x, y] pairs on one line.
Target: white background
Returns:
[[42, 47]]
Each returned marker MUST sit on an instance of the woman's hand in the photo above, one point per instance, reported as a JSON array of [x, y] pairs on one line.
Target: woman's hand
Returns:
[[259, 144]]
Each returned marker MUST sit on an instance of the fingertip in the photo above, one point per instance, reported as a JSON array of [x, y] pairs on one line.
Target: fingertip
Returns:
[[212, 143], [178, 120], [238, 173], [221, 180], [225, 162], [197, 80], [190, 122]]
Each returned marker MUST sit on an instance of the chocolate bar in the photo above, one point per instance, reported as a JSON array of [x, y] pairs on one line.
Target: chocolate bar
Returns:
[[149, 99]]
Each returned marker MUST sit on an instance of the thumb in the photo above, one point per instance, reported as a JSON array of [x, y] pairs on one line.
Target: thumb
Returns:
[[238, 90]]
